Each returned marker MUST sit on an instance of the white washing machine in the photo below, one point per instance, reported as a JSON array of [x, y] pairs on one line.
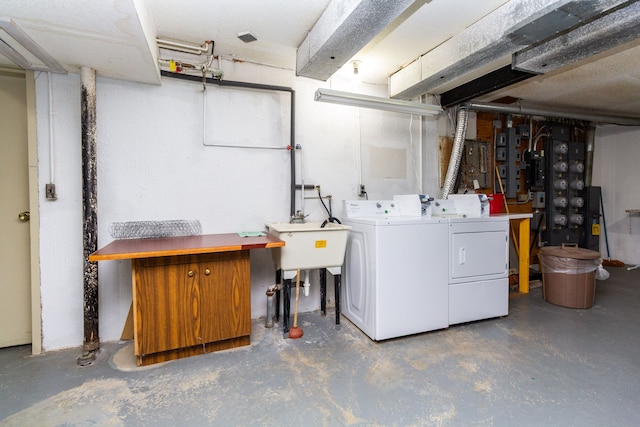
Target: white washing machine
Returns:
[[395, 275]]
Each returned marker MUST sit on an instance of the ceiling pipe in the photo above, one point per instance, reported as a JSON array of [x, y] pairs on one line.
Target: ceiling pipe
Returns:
[[185, 47], [532, 111]]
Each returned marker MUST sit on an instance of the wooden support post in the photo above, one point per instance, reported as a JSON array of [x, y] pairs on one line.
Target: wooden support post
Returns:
[[91, 341], [523, 256]]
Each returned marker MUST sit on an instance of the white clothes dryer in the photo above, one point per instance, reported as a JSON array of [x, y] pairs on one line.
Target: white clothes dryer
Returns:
[[478, 268]]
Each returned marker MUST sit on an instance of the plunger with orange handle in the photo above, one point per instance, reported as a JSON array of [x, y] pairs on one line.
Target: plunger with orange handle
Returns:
[[295, 331]]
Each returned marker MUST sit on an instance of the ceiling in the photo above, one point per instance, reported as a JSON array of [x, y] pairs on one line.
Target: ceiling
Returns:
[[413, 46]]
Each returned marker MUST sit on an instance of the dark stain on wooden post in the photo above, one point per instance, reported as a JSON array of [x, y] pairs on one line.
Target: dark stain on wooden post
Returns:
[[91, 341]]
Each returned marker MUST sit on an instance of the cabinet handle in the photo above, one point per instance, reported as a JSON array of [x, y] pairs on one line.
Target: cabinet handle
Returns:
[[190, 273], [207, 271]]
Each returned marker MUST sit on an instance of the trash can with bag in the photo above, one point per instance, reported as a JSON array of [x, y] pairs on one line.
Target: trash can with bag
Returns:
[[569, 275]]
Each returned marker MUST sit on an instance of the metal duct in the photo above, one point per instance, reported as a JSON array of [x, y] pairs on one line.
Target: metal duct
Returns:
[[344, 28], [532, 111], [490, 42], [456, 153], [611, 30]]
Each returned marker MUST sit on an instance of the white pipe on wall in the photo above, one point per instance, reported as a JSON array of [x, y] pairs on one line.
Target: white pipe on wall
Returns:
[[51, 141], [301, 180]]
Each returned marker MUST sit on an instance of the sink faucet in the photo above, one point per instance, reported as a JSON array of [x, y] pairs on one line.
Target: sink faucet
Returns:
[[298, 218]]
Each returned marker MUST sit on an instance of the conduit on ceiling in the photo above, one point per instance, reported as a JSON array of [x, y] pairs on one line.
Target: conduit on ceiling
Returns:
[[185, 47], [533, 111]]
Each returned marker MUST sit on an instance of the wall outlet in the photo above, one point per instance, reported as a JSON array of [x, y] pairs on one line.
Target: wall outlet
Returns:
[[50, 191], [363, 192]]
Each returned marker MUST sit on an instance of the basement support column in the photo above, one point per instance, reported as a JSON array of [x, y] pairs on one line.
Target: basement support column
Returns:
[[91, 342]]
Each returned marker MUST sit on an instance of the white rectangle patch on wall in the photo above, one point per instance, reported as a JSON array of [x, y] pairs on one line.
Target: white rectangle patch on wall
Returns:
[[388, 163], [247, 117]]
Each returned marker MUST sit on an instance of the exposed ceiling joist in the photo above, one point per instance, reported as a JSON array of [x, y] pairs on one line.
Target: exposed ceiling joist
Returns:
[[344, 28], [511, 28]]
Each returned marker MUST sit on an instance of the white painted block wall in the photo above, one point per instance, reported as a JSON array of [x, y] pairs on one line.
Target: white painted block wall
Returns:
[[616, 165], [152, 165]]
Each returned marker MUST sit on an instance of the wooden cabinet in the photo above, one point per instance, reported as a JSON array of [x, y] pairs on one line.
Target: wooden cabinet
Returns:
[[190, 304], [191, 294]]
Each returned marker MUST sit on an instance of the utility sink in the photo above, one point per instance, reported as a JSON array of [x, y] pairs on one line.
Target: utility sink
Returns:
[[308, 245]]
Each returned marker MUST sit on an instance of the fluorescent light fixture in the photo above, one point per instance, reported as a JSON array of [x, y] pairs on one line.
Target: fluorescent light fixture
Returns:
[[377, 103], [22, 38]]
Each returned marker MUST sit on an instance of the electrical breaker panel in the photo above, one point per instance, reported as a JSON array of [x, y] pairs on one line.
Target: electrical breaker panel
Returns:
[[508, 152], [475, 168], [564, 188], [535, 171]]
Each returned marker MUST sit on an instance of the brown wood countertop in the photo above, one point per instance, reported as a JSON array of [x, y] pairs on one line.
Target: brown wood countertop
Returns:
[[186, 245]]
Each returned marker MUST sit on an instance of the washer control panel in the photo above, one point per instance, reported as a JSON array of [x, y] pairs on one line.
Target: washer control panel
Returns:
[[371, 208]]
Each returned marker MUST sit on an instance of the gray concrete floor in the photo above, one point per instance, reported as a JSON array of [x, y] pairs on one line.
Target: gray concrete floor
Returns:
[[542, 365]]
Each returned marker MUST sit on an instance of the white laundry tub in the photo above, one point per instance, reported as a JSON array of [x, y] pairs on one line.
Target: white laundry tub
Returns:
[[308, 245]]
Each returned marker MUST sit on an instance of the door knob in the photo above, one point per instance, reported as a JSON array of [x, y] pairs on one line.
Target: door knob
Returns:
[[24, 216]]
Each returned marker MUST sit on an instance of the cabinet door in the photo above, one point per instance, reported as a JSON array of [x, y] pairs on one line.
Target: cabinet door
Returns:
[[226, 296], [167, 306]]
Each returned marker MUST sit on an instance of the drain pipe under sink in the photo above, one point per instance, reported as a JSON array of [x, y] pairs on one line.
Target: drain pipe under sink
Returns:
[[271, 291], [307, 284]]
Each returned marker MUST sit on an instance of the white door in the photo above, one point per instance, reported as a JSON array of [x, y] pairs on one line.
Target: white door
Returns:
[[15, 288], [478, 254], [479, 250]]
